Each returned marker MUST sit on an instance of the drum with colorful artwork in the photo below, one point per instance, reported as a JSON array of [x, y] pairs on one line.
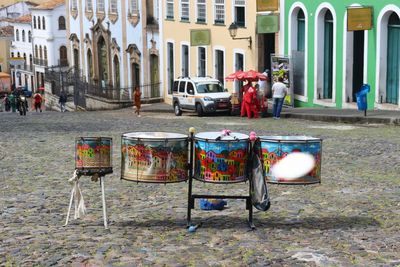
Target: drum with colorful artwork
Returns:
[[221, 158], [93, 155], [275, 148], [154, 157]]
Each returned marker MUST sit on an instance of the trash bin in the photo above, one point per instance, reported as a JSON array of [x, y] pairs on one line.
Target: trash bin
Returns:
[[362, 97]]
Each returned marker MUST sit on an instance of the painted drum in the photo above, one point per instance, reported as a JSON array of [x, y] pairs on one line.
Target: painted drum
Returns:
[[221, 158], [154, 157], [275, 148], [93, 155]]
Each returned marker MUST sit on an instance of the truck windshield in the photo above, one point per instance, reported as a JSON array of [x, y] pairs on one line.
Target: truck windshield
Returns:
[[209, 88]]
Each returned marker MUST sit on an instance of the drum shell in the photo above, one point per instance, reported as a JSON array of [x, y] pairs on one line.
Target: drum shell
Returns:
[[220, 161], [93, 155], [274, 148], [153, 158]]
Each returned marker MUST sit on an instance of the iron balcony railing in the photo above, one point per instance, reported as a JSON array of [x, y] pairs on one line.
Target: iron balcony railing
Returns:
[[123, 94], [40, 62]]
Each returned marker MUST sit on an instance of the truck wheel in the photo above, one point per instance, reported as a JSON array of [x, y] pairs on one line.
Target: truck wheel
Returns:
[[199, 110], [177, 109]]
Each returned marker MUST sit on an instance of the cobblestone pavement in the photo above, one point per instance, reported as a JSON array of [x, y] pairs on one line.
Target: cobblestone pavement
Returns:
[[350, 219]]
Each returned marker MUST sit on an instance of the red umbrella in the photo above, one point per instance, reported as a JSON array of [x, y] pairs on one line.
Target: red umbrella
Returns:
[[41, 88], [234, 76], [252, 75]]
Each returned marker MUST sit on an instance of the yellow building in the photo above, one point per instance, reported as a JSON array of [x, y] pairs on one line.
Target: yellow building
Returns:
[[197, 42], [6, 36]]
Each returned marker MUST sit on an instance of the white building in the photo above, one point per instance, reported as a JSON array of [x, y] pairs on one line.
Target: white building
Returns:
[[14, 10], [114, 44], [49, 37], [21, 47]]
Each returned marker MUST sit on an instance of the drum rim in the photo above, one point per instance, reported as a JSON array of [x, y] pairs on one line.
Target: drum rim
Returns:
[[218, 182], [91, 138], [153, 182], [305, 139], [180, 138], [196, 138]]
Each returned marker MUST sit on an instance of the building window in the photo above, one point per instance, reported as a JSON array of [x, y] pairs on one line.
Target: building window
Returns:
[[23, 35], [185, 10], [38, 22], [219, 65], [89, 62], [34, 22], [12, 54], [170, 9], [301, 29], [114, 6], [61, 23], [17, 35], [116, 72], [134, 10], [44, 23], [170, 67], [185, 60], [29, 37], [74, 5], [100, 6], [45, 52], [63, 56], [240, 13], [201, 11], [36, 51], [219, 11], [89, 5], [40, 52], [201, 61]]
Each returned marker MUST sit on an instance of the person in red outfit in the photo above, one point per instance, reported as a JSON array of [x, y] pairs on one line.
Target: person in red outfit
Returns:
[[249, 103], [243, 92], [38, 102]]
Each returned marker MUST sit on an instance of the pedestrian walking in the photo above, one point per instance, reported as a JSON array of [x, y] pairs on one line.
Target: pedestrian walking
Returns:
[[37, 98], [62, 100], [13, 104], [279, 91], [137, 100], [7, 104]]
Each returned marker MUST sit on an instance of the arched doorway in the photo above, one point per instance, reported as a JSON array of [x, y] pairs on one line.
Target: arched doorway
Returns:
[[90, 65], [76, 61], [102, 61], [393, 60], [135, 75], [154, 76], [116, 72], [328, 56]]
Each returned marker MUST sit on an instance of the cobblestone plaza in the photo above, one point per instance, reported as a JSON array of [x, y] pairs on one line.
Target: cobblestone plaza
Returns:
[[350, 219]]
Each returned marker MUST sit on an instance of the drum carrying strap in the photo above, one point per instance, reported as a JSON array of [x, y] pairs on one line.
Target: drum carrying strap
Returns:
[[259, 189], [80, 208]]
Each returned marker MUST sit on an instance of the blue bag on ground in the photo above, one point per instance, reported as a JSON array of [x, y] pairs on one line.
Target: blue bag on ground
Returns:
[[362, 97], [212, 204]]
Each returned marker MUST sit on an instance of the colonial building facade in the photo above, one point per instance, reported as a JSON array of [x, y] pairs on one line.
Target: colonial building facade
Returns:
[[341, 45], [49, 37], [197, 40], [114, 44], [21, 47]]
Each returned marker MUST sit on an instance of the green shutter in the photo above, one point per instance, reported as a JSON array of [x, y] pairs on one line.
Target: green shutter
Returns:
[[393, 68], [328, 60], [301, 35]]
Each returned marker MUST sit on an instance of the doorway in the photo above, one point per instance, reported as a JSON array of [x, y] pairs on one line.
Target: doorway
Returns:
[[393, 59], [358, 62]]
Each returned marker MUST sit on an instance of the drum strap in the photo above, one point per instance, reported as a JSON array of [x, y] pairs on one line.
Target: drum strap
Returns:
[[80, 209]]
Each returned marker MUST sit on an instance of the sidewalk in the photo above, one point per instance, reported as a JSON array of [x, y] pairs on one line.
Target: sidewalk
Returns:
[[316, 114]]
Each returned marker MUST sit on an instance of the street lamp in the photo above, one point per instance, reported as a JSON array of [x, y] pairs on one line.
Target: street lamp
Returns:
[[233, 31]]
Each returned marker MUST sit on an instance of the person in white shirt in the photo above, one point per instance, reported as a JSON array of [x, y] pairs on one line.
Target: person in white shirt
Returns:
[[279, 91]]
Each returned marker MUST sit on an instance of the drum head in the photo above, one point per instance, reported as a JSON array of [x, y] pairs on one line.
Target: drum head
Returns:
[[288, 139], [153, 135], [212, 136]]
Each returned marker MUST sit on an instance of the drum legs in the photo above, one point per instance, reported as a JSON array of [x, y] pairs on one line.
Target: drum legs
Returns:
[[79, 204], [104, 202]]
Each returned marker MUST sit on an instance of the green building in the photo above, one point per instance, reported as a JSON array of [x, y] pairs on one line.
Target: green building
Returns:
[[337, 46]]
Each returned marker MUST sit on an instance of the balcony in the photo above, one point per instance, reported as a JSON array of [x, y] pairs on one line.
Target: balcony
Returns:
[[40, 62]]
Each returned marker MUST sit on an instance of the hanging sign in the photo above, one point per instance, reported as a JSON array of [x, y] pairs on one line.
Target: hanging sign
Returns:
[[200, 37], [267, 5], [267, 23], [359, 18]]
